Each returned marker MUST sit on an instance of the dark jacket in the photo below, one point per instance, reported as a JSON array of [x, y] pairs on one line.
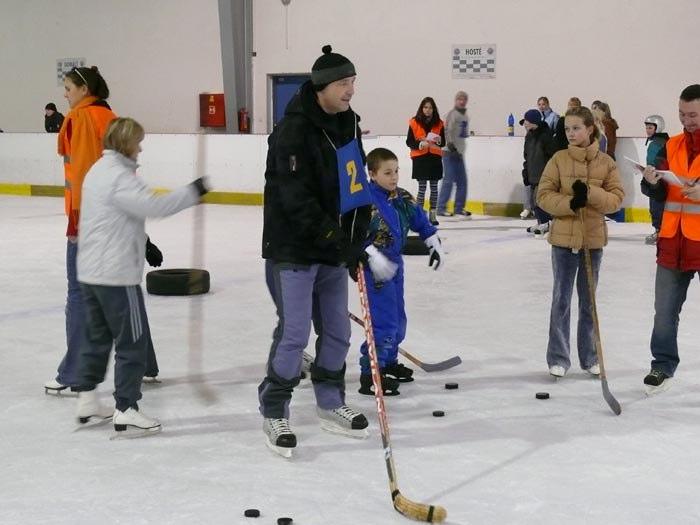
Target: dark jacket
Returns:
[[560, 140], [302, 222], [539, 148], [53, 123]]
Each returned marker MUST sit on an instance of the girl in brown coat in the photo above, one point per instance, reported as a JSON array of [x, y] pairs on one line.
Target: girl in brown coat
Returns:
[[579, 186]]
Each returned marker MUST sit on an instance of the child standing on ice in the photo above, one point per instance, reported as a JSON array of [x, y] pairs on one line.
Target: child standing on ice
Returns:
[[394, 213], [578, 187]]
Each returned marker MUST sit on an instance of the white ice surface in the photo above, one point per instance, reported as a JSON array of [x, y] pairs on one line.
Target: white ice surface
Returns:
[[499, 456]]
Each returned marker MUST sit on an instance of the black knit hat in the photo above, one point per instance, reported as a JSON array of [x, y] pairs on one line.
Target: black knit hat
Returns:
[[331, 67], [51, 106]]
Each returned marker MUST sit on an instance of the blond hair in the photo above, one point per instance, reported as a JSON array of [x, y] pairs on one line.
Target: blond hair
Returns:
[[122, 134]]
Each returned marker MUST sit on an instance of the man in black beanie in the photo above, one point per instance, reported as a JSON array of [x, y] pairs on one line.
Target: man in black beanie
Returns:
[[317, 209], [52, 118]]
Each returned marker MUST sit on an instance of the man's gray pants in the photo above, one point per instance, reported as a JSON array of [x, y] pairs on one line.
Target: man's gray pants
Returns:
[[305, 294]]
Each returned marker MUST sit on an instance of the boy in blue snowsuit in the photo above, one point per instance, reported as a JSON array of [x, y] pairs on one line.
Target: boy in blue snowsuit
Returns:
[[394, 213]]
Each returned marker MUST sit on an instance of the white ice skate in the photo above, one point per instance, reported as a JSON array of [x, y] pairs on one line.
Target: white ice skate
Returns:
[[151, 380], [557, 371], [134, 424], [280, 438], [594, 370], [525, 214], [345, 421], [54, 388], [91, 410]]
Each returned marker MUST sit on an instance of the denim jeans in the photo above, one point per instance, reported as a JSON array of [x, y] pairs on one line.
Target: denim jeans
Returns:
[[454, 174], [567, 267], [669, 295]]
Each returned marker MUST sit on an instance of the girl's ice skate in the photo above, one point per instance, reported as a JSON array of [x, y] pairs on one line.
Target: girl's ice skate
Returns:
[[134, 424], [91, 410]]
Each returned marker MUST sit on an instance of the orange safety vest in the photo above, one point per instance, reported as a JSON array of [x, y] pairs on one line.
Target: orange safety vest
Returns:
[[678, 209], [419, 134], [80, 144]]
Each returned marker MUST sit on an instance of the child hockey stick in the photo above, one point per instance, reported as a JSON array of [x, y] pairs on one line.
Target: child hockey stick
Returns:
[[196, 303], [410, 509], [607, 395], [428, 367]]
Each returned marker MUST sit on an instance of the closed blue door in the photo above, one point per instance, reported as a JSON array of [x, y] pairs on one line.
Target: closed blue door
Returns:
[[283, 89]]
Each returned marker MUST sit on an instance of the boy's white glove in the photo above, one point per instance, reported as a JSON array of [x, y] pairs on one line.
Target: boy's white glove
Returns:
[[382, 268], [437, 255]]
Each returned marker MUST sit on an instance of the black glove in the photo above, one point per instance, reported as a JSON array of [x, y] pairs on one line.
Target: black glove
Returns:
[[580, 197], [153, 254], [201, 185], [352, 255]]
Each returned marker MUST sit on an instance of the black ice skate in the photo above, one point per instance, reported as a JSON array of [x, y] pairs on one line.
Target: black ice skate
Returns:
[[280, 438], [399, 372], [344, 420], [656, 382], [390, 386]]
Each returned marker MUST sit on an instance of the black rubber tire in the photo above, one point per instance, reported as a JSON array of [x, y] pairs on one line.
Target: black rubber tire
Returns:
[[177, 281], [415, 246]]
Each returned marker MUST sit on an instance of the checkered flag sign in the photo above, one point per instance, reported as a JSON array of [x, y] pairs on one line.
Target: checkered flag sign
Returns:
[[474, 61], [64, 65]]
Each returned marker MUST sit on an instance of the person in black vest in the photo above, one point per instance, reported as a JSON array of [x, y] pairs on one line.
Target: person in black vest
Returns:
[[52, 118]]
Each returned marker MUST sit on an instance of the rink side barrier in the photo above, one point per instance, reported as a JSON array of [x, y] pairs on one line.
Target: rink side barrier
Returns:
[[235, 167]]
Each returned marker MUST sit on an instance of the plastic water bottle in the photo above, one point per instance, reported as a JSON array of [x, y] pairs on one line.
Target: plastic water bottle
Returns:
[[511, 125]]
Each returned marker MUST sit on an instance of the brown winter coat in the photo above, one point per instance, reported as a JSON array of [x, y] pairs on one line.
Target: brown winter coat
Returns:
[[605, 195]]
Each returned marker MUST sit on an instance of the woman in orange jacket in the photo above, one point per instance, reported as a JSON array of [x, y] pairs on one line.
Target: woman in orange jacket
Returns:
[[80, 144], [426, 137]]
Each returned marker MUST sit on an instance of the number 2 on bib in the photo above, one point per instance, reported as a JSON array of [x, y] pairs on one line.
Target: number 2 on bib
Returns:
[[352, 173]]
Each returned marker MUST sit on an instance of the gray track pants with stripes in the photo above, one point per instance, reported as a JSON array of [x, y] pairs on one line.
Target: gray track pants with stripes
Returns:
[[116, 315]]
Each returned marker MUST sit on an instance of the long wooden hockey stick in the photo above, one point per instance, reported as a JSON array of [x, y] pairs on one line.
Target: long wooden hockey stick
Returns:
[[428, 367], [410, 509], [607, 395], [196, 329]]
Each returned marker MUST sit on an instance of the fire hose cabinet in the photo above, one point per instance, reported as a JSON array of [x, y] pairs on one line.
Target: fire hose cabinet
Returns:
[[212, 112]]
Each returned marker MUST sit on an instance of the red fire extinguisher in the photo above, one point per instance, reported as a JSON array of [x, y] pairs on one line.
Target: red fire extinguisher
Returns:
[[243, 121]]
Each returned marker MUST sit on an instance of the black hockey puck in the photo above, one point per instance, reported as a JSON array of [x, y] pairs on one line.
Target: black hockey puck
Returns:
[[252, 513], [451, 386], [438, 413], [284, 521], [542, 395]]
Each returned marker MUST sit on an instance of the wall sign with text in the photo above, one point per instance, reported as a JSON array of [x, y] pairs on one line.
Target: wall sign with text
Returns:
[[474, 61]]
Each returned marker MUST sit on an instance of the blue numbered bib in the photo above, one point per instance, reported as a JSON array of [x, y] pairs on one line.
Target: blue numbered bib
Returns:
[[352, 178]]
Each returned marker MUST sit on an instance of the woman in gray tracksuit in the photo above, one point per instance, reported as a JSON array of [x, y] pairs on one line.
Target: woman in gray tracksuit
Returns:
[[115, 205]]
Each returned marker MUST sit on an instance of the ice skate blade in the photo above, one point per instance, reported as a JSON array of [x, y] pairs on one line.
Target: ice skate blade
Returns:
[[334, 428], [651, 390], [285, 452], [60, 392], [92, 421], [132, 432]]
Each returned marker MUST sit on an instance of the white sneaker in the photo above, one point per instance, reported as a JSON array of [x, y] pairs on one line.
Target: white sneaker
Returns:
[[525, 214], [344, 420], [133, 423], [89, 407], [594, 370], [557, 371]]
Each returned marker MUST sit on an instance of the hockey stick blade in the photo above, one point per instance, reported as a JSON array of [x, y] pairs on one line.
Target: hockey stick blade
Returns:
[[427, 367], [610, 399], [419, 511]]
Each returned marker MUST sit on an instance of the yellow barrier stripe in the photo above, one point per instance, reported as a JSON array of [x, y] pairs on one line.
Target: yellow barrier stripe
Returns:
[[16, 189]]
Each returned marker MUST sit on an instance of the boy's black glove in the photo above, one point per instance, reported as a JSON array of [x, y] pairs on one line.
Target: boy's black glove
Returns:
[[153, 254], [352, 255], [580, 197]]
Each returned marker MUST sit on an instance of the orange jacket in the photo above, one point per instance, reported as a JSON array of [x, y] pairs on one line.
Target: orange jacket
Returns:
[[420, 134], [80, 144], [679, 211]]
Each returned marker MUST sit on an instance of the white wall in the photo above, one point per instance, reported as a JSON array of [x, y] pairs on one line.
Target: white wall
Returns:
[[635, 54], [236, 163], [156, 55]]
